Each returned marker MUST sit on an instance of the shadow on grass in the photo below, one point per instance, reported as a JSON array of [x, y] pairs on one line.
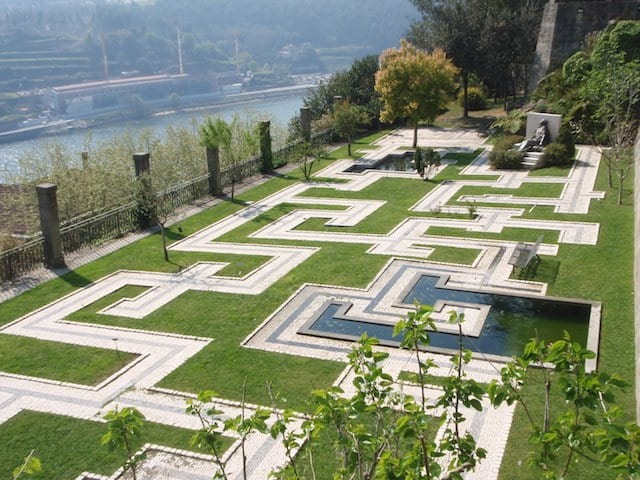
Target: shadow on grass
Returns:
[[74, 279], [175, 235], [546, 271]]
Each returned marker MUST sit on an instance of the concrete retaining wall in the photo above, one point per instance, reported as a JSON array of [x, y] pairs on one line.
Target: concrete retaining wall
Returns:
[[565, 25]]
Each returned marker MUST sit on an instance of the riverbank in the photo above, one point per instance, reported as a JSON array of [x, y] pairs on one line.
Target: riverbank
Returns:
[[279, 109], [194, 103]]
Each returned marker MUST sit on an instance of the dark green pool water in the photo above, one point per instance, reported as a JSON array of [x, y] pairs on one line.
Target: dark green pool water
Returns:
[[396, 163], [512, 321]]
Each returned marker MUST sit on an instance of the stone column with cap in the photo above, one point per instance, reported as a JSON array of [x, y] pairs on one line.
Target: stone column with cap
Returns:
[[305, 123], [145, 198], [265, 146], [50, 224], [213, 167]]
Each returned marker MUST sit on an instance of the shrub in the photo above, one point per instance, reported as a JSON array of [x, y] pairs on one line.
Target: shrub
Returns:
[[504, 143], [510, 159], [476, 99], [556, 155], [513, 123], [565, 137]]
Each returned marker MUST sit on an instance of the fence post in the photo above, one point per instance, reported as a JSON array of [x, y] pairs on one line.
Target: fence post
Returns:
[[265, 146], [145, 201], [305, 123], [84, 157], [213, 166], [50, 224]]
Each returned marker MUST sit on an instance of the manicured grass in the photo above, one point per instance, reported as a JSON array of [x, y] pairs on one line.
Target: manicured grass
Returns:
[[547, 190], [463, 158], [510, 234], [550, 172], [463, 256], [59, 361], [68, 446], [429, 379]]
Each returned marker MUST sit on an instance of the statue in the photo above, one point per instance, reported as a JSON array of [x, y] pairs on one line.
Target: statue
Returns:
[[541, 137]]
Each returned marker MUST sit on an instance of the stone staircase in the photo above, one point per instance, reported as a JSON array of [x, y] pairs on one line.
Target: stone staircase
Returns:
[[532, 160]]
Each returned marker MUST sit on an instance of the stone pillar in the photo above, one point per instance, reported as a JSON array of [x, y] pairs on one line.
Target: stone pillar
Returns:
[[305, 123], [84, 156], [50, 224], [142, 162], [265, 146], [213, 166], [145, 199]]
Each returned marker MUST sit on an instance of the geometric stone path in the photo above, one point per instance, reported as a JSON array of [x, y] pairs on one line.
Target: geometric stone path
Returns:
[[409, 244]]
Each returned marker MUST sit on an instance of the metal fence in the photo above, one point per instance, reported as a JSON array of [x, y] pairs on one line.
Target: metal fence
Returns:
[[98, 228], [95, 228], [238, 172], [22, 259], [184, 193]]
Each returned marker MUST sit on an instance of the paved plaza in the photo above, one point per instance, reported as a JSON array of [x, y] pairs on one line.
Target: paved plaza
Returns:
[[408, 246]]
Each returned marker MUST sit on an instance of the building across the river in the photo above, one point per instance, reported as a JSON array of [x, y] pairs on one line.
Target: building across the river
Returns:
[[89, 98]]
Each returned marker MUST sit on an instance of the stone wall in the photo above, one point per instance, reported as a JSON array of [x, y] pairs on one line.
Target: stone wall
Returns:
[[574, 20], [565, 25]]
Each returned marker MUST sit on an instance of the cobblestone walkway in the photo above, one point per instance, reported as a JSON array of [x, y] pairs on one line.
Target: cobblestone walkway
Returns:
[[160, 353]]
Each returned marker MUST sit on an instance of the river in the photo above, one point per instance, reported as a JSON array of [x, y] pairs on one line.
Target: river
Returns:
[[279, 110]]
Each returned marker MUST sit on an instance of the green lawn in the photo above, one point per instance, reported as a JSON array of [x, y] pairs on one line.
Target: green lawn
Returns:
[[59, 361], [590, 272], [69, 446]]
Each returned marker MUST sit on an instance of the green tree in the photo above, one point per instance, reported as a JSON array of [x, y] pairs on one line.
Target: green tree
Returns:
[[355, 85], [612, 87], [347, 120], [124, 429], [306, 154], [493, 39], [414, 85], [455, 27], [585, 424], [237, 141]]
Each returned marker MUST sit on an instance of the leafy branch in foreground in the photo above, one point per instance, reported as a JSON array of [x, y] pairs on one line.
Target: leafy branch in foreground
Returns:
[[30, 466], [123, 427], [585, 425], [373, 429]]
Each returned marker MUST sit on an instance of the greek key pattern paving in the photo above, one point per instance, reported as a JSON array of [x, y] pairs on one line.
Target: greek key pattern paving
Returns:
[[408, 246]]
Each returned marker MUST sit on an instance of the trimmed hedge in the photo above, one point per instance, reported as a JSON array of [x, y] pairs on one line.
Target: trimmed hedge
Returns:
[[508, 160], [505, 143], [557, 155]]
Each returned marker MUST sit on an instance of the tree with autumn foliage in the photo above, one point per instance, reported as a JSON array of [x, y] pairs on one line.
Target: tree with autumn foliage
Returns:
[[414, 85]]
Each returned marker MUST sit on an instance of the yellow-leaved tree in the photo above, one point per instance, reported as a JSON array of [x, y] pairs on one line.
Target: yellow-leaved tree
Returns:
[[414, 85]]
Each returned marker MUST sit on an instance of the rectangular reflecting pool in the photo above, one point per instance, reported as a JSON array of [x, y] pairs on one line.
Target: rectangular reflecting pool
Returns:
[[509, 325]]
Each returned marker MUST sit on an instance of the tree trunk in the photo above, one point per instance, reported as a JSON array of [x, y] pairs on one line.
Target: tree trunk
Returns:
[[348, 147], [163, 233], [465, 90], [620, 190], [415, 134]]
